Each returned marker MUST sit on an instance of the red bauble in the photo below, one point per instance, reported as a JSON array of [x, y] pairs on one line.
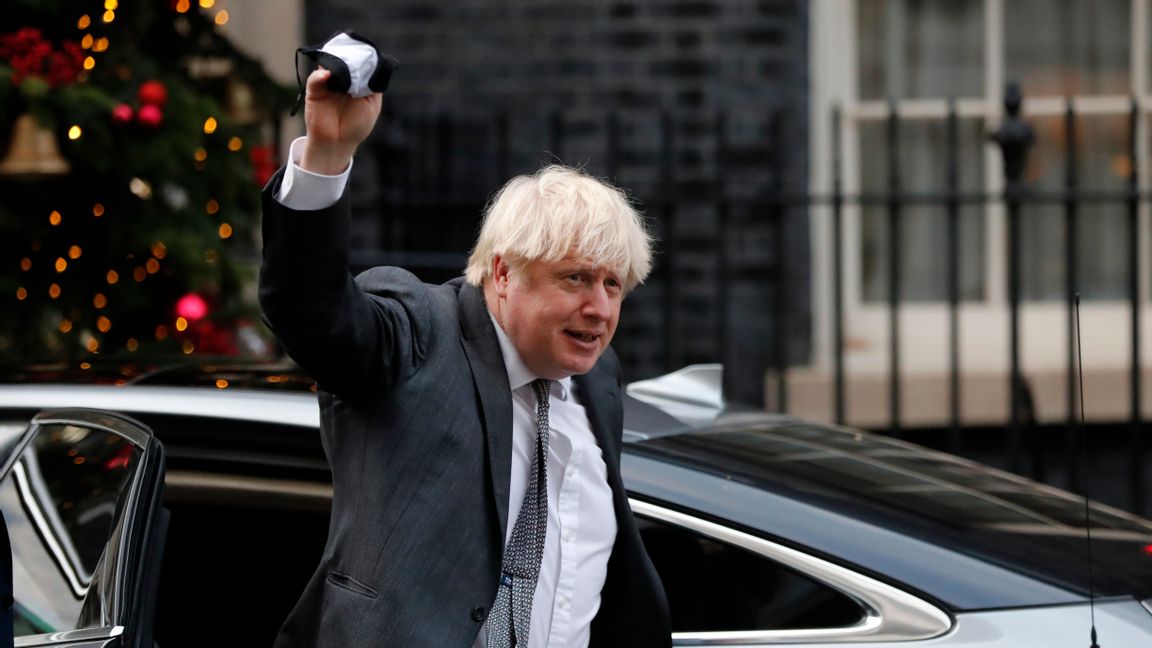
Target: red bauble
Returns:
[[192, 307], [150, 116], [153, 93], [122, 114]]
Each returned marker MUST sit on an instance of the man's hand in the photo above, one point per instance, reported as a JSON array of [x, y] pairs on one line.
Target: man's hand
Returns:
[[337, 122]]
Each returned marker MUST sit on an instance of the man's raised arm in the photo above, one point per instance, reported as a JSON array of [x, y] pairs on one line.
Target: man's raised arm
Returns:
[[346, 339]]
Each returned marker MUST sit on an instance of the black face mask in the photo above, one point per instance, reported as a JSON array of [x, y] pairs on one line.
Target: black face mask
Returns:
[[358, 67]]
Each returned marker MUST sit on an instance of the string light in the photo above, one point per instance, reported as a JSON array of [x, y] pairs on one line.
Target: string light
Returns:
[[140, 188], [161, 332], [100, 45], [21, 294], [222, 17], [74, 252], [221, 383], [159, 250], [99, 300], [109, 16], [98, 210], [225, 230], [87, 41], [210, 125], [111, 5], [85, 365], [235, 144], [84, 22], [132, 344], [65, 325], [181, 324], [61, 265], [89, 63], [75, 132], [25, 264], [54, 291], [201, 155], [212, 207], [188, 347], [207, 4], [139, 274], [55, 218], [112, 277], [152, 266], [104, 324], [182, 6], [93, 346]]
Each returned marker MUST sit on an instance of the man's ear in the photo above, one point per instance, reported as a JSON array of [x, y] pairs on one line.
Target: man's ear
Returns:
[[500, 272]]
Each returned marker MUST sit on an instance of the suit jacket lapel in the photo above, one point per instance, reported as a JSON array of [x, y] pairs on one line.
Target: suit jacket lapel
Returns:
[[491, 379]]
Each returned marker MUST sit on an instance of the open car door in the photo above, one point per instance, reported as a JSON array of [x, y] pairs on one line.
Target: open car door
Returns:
[[81, 496]]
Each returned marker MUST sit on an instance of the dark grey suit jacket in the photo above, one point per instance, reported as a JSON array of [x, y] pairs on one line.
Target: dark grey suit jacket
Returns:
[[416, 418]]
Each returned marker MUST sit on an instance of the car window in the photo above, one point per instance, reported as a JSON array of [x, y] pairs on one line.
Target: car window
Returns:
[[61, 501], [713, 586]]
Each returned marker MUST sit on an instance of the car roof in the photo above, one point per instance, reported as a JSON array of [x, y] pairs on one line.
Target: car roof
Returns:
[[941, 500], [297, 409]]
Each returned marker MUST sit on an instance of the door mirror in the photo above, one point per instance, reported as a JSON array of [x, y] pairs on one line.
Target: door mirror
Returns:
[[80, 496]]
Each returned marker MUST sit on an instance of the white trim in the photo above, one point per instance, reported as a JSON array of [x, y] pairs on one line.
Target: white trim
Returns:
[[975, 107], [918, 109]]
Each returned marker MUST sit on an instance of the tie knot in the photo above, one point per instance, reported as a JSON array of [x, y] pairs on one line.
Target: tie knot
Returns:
[[541, 387]]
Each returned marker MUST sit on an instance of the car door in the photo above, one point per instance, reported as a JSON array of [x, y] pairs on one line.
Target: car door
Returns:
[[80, 491]]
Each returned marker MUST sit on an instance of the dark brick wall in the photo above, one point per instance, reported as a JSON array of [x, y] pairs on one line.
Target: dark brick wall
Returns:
[[557, 73]]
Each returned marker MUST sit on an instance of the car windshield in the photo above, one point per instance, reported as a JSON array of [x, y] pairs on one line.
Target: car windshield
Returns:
[[971, 508]]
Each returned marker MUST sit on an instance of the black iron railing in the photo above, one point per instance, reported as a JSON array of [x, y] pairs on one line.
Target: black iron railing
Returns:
[[722, 240]]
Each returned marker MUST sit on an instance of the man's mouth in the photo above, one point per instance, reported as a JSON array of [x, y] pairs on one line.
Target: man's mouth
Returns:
[[583, 337]]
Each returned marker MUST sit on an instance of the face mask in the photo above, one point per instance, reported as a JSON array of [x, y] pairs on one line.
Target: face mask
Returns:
[[357, 66]]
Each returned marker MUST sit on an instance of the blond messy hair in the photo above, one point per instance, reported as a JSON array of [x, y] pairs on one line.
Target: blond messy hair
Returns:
[[557, 211]]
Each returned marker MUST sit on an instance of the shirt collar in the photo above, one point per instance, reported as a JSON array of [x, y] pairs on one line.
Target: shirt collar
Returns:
[[518, 373]]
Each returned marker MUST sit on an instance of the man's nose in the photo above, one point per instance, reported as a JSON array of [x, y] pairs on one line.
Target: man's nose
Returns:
[[597, 302]]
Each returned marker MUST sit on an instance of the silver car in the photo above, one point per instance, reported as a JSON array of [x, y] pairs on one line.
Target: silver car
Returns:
[[188, 506]]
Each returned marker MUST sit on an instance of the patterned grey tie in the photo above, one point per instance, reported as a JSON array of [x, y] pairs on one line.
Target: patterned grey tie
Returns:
[[512, 611]]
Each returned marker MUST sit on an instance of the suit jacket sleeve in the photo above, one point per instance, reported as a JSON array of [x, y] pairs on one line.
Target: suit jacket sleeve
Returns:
[[350, 340]]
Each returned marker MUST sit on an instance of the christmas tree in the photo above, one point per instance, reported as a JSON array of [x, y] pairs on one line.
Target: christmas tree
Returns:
[[134, 138]]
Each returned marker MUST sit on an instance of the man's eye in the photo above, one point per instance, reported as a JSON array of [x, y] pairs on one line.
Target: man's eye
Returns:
[[574, 277]]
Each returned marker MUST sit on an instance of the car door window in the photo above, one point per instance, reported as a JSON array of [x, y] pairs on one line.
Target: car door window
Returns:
[[713, 586], [62, 499]]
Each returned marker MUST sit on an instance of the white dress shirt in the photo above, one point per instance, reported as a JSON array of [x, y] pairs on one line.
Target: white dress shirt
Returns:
[[581, 523]]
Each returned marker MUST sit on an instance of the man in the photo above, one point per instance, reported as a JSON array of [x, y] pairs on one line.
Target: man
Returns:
[[464, 421]]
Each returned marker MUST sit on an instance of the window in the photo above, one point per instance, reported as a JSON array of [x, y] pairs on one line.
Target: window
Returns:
[[61, 501], [716, 587], [913, 57]]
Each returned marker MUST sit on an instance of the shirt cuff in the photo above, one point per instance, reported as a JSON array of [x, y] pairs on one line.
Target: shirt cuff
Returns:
[[302, 190]]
